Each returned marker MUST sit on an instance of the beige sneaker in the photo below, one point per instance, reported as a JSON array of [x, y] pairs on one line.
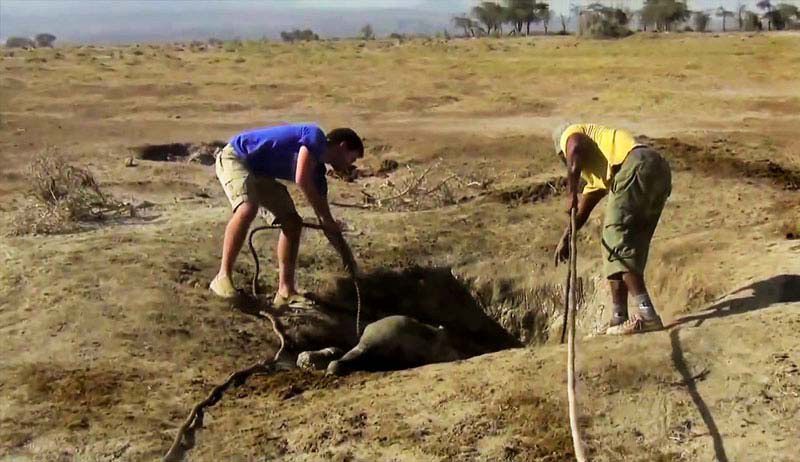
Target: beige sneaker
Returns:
[[294, 301], [223, 287], [636, 325]]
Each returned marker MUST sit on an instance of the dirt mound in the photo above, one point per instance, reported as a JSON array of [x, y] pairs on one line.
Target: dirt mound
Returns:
[[717, 159], [202, 153], [288, 384]]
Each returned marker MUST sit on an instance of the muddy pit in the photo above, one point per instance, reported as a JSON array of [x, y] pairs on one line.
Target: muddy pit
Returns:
[[431, 295]]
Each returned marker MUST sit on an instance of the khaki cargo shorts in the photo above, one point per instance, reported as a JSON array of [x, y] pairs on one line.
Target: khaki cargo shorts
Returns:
[[638, 193], [241, 185]]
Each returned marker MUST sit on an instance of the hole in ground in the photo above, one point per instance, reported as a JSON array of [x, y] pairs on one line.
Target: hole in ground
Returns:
[[202, 153], [430, 295]]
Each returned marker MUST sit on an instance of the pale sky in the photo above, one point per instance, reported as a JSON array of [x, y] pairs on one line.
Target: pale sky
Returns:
[[142, 20]]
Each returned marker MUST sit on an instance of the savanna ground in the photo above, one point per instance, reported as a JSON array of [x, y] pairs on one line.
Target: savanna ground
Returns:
[[110, 335]]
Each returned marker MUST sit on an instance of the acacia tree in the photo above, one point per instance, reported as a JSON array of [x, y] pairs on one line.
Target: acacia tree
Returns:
[[789, 13], [367, 33], [598, 20], [766, 6], [751, 21], [465, 23], [491, 15], [700, 21], [723, 13], [527, 12], [740, 9], [663, 14], [545, 15], [45, 40]]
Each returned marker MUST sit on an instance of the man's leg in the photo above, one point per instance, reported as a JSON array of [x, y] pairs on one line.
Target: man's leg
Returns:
[[288, 249], [233, 176], [638, 290], [638, 196], [235, 234], [619, 300]]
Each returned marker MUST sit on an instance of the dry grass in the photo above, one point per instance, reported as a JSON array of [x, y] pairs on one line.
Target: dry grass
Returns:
[[62, 198], [419, 188]]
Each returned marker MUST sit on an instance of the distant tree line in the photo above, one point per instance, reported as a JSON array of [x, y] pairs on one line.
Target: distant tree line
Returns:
[[488, 18], [517, 16], [666, 15], [40, 41]]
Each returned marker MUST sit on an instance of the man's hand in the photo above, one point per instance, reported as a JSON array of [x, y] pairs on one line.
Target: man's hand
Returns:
[[562, 250], [572, 201], [334, 234], [350, 265]]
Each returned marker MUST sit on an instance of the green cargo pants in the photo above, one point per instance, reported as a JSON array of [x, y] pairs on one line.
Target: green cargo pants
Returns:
[[638, 193]]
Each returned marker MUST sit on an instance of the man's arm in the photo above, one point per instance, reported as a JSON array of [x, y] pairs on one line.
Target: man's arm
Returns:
[[586, 204], [578, 148], [304, 177]]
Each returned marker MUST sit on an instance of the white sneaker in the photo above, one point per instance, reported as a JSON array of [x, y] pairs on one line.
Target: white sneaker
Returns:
[[636, 325]]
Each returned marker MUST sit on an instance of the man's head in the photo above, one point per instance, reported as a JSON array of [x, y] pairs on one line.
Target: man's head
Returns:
[[344, 148]]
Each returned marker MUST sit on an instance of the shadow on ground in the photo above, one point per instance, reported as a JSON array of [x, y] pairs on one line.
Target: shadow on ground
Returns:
[[784, 288]]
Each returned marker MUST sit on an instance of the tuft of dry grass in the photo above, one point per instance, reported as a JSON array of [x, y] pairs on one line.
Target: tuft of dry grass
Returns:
[[62, 198]]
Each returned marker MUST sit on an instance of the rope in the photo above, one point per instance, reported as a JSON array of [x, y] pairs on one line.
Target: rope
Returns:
[[185, 438], [258, 269], [358, 306], [567, 290], [577, 440]]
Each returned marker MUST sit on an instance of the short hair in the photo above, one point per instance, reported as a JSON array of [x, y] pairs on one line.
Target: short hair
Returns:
[[350, 138]]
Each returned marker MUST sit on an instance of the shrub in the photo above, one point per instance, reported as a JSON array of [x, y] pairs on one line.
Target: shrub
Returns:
[[62, 198], [20, 42]]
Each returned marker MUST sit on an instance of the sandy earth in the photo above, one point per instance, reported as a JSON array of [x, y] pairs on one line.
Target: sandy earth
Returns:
[[110, 334]]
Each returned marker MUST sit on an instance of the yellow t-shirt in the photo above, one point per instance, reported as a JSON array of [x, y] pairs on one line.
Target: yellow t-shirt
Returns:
[[614, 146]]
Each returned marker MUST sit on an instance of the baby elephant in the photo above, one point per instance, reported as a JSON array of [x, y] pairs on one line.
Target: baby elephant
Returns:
[[396, 342]]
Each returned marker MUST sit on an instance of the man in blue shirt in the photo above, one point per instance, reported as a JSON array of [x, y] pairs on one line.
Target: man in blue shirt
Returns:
[[248, 168]]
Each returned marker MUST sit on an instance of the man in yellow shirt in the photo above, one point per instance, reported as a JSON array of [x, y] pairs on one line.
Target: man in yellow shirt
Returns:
[[638, 181]]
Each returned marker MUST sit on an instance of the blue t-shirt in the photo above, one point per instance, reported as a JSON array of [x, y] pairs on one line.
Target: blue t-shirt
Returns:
[[272, 151]]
